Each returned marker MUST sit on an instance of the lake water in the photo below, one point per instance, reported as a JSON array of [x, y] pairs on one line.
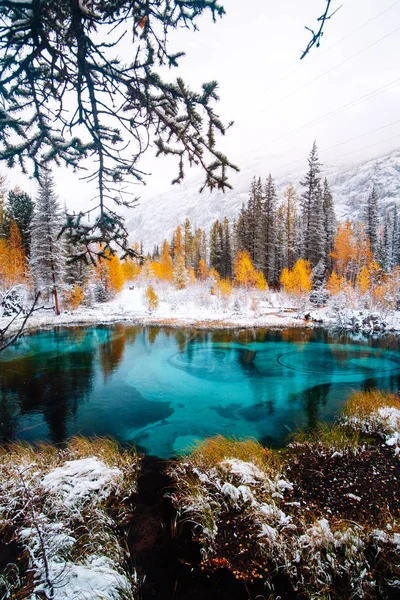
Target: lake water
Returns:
[[165, 388]]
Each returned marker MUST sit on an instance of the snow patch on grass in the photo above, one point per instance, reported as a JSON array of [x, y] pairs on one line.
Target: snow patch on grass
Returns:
[[78, 479]]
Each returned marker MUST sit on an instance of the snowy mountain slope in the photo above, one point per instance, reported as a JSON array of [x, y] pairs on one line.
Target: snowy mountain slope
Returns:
[[156, 218]]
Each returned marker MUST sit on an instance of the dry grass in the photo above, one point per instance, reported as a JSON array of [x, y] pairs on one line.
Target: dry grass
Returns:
[[212, 451], [362, 404], [336, 437]]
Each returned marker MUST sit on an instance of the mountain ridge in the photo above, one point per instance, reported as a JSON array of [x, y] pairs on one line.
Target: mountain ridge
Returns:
[[157, 217]]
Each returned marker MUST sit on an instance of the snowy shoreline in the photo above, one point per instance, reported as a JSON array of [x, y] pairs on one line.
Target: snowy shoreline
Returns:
[[181, 310]]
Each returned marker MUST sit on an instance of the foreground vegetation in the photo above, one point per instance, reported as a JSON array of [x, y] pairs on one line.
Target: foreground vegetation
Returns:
[[60, 516], [321, 519], [318, 520]]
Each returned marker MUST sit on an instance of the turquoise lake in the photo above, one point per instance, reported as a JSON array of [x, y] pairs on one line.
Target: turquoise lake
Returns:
[[164, 388]]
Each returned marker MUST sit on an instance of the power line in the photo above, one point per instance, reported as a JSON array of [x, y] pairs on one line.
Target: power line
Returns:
[[367, 96], [331, 69], [345, 37]]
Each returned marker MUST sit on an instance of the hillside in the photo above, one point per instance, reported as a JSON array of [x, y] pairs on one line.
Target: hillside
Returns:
[[155, 219]]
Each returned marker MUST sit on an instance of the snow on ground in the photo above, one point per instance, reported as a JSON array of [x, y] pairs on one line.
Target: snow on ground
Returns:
[[196, 306], [191, 306], [76, 480]]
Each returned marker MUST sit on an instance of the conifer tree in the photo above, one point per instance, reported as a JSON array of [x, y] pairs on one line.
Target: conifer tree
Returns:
[[202, 271], [166, 266], [188, 243], [280, 253], [396, 238], [199, 248], [20, 209], [269, 234], [316, 230], [180, 274], [289, 220], [177, 242], [258, 223], [371, 219], [226, 250], [309, 201], [329, 223], [47, 249], [216, 235]]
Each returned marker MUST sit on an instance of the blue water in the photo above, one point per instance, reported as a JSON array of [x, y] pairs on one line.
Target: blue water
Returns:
[[165, 388]]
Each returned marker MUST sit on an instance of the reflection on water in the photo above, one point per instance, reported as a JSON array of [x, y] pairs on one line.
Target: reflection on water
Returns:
[[164, 388]]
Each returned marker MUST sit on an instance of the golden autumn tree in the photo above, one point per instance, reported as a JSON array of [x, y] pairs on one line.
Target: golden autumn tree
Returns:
[[298, 280], [244, 270], [166, 266], [109, 276], [177, 242], [12, 258], [74, 298], [202, 271], [363, 280], [131, 266], [151, 299], [116, 274], [343, 252], [335, 284], [17, 258], [4, 264]]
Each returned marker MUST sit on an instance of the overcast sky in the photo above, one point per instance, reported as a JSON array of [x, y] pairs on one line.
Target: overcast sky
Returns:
[[253, 52]]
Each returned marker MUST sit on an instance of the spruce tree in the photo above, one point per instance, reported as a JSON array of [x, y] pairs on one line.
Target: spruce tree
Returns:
[[226, 254], [20, 209], [329, 223], [396, 238], [316, 231], [310, 202], [269, 222], [289, 221], [188, 243], [216, 236], [47, 259], [371, 220]]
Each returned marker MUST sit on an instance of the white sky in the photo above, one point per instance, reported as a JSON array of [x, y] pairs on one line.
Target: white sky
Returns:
[[253, 52]]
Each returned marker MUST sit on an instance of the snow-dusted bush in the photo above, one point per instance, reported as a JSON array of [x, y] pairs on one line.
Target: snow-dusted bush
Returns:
[[12, 301], [62, 507]]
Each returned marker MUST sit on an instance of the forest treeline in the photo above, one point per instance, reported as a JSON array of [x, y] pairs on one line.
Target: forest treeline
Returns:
[[293, 242]]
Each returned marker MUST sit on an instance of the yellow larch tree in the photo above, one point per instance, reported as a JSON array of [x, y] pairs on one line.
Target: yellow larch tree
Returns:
[[244, 271], [116, 274], [151, 298], [17, 258], [202, 271], [363, 280], [298, 280], [4, 264], [131, 266], [166, 266], [343, 252], [335, 284], [177, 242]]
